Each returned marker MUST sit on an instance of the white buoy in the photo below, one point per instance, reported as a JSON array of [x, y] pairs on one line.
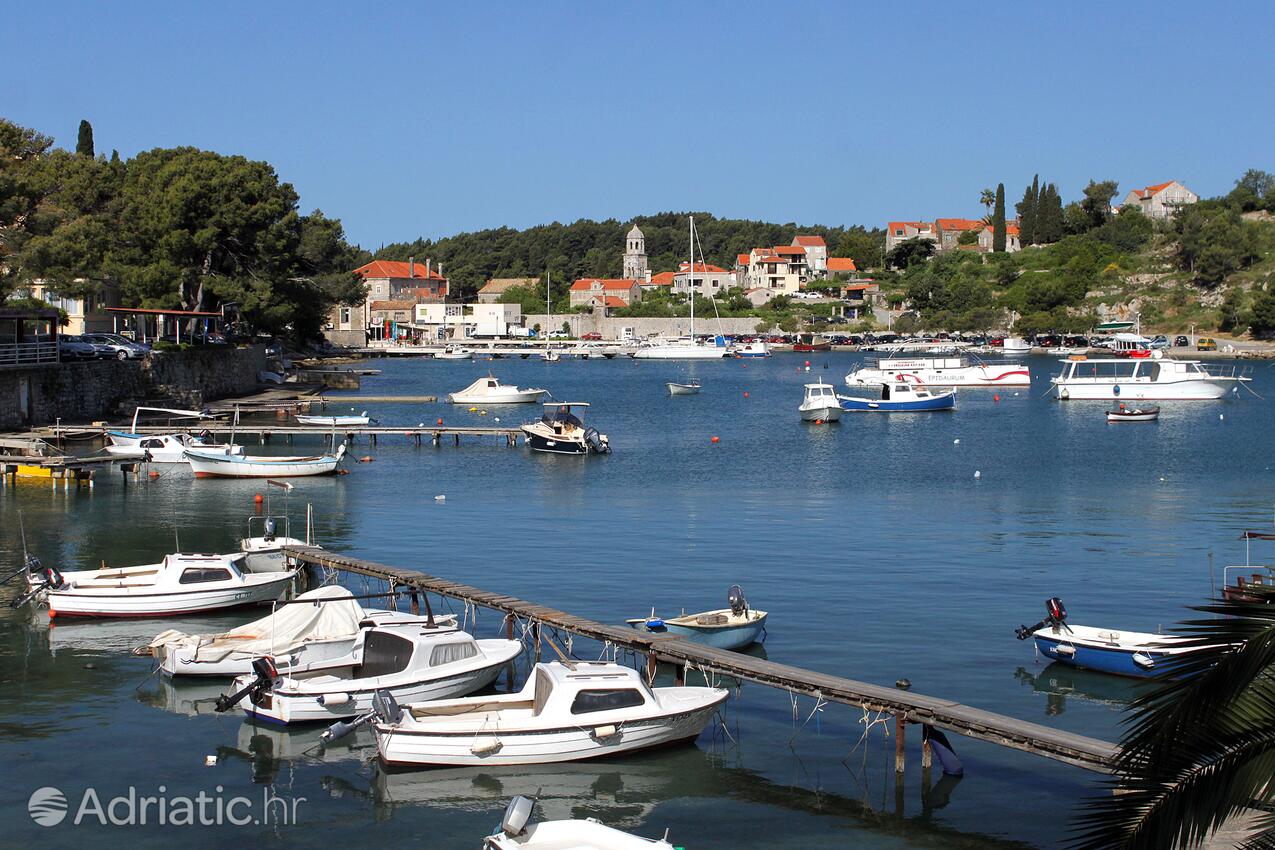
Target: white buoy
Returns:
[[1161, 477], [1221, 416], [957, 441], [977, 475], [440, 498], [210, 761]]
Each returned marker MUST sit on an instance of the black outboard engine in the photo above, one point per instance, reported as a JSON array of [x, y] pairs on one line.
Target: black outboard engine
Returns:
[[738, 604], [1055, 617], [39, 579], [267, 675], [385, 709], [270, 528]]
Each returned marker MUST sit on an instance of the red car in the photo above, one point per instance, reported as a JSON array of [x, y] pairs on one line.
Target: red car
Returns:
[[591, 335]]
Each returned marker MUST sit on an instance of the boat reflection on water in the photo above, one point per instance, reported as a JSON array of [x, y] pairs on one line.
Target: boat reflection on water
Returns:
[[1058, 682], [115, 637]]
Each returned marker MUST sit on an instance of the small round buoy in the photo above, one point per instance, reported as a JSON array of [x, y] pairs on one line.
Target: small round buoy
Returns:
[[715, 440], [440, 421], [473, 410], [366, 459], [497, 418], [210, 761], [903, 684], [818, 421], [1161, 477], [258, 498], [1219, 416], [90, 666], [440, 498], [152, 475], [977, 474], [996, 397], [807, 362], [807, 368], [957, 441], [745, 393]]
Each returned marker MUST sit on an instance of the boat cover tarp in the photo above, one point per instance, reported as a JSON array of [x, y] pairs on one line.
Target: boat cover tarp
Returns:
[[287, 629]]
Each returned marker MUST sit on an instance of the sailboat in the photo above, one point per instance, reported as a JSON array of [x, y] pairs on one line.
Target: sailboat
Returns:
[[551, 356], [687, 348]]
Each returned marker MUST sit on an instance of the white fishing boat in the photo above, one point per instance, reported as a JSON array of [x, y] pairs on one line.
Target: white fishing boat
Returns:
[[1148, 413], [820, 403], [1015, 345], [180, 584], [454, 352], [489, 390], [165, 448], [207, 465], [561, 430], [1154, 378], [316, 627], [565, 712], [689, 347], [353, 420], [409, 661], [939, 372], [688, 388], [574, 834], [756, 348]]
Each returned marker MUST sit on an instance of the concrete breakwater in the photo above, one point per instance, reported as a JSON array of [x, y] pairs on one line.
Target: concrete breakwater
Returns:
[[83, 392]]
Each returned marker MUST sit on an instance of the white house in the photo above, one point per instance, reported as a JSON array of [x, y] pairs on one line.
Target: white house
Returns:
[[707, 280], [901, 231], [466, 321], [1161, 200], [986, 236], [816, 253]]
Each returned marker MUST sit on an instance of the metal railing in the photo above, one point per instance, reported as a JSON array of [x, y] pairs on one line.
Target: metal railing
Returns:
[[28, 353]]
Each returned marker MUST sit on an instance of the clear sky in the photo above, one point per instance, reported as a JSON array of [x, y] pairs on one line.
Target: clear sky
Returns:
[[425, 119]]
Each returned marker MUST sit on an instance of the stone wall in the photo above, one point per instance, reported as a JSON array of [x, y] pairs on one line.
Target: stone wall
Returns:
[[79, 393], [612, 328]]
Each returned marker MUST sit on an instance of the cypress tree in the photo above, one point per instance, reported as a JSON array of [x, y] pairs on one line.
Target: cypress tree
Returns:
[[84, 145], [1028, 213], [1035, 209], [998, 220], [1049, 220]]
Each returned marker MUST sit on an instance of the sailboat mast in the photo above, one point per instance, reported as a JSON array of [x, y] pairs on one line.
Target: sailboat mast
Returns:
[[548, 308], [690, 279]]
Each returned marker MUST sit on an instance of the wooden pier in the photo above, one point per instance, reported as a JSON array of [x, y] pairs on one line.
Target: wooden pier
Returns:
[[905, 706], [419, 434]]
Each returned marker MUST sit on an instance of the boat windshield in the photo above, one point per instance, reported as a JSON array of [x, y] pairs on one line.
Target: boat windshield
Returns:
[[587, 702], [562, 416]]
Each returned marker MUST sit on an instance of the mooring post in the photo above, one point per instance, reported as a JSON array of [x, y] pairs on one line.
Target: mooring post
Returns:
[[416, 604], [652, 665], [679, 677], [900, 725], [925, 752], [457, 436], [509, 670], [535, 629]]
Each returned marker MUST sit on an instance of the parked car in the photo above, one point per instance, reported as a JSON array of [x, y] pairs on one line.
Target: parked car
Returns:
[[559, 335], [591, 336], [115, 346], [1205, 343], [73, 348], [1182, 342], [1160, 341]]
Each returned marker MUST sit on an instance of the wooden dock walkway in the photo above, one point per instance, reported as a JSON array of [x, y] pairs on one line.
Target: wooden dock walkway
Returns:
[[905, 706]]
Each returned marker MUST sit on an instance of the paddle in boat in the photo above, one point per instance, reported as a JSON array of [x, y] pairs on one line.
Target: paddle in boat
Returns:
[[1141, 413], [180, 584], [726, 628], [489, 390], [575, 834], [901, 397], [688, 388], [1107, 650], [352, 420], [820, 403], [562, 431], [409, 661], [565, 712], [165, 448], [206, 465]]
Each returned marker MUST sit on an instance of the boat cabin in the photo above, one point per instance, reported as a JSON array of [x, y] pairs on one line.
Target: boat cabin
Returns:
[[821, 393], [561, 419], [1081, 369], [397, 647], [587, 688], [901, 390]]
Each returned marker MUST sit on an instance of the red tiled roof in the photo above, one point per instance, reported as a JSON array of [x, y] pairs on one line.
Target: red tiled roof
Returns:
[[903, 225], [841, 264], [959, 224], [661, 279], [741, 259], [1011, 229], [390, 268], [701, 267], [789, 249], [392, 305], [771, 259], [858, 287], [1152, 190], [586, 283], [809, 241], [608, 301]]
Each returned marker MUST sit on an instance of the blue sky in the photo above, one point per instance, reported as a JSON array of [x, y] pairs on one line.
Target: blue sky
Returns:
[[419, 119]]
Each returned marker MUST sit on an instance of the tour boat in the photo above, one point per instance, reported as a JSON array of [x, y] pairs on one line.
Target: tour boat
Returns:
[[565, 712], [208, 465], [900, 397], [690, 388], [164, 448], [820, 403], [1133, 414], [574, 834], [350, 420], [1107, 650], [940, 372], [1156, 378], [454, 352], [410, 661], [489, 390], [726, 628], [315, 627], [757, 348], [560, 431], [180, 584]]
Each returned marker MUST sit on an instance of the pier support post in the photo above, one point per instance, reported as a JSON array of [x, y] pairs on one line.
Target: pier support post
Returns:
[[457, 436], [652, 665], [900, 727], [679, 677], [509, 635], [535, 629]]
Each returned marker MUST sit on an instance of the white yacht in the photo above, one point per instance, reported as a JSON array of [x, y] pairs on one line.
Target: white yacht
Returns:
[[1154, 378], [562, 431], [820, 403], [489, 390], [939, 372], [688, 347]]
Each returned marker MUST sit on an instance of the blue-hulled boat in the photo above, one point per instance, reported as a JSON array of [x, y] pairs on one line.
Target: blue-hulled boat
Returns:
[[1123, 653], [727, 628], [900, 397]]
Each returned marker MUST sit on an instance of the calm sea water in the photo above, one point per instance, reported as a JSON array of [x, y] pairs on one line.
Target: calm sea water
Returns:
[[871, 542]]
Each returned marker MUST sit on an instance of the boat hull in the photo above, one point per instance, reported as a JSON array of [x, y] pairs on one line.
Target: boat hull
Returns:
[[334, 421], [987, 375], [540, 443], [524, 397], [206, 466], [164, 604], [1192, 390], [683, 389], [945, 401], [681, 352], [1113, 416], [830, 413], [1119, 661], [721, 637]]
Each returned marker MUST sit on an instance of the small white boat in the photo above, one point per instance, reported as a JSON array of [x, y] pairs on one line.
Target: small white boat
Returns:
[[587, 834], [690, 388], [565, 712], [1148, 413], [489, 390], [180, 584], [164, 448], [454, 352], [725, 628], [757, 348], [351, 420], [682, 349], [409, 661], [550, 356], [820, 403], [560, 431], [207, 465], [1015, 345], [316, 627], [1124, 653]]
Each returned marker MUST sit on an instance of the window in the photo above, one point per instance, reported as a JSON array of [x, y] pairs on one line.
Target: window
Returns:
[[345, 315], [197, 575], [587, 702], [383, 654], [152, 444], [451, 652]]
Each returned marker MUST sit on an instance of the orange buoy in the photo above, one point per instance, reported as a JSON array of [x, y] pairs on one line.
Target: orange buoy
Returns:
[[715, 440], [807, 362], [52, 613], [996, 397], [745, 393], [343, 472], [258, 498], [152, 475], [818, 421], [366, 459], [440, 421]]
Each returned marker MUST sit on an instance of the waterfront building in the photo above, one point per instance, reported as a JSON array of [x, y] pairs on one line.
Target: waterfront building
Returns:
[[493, 289], [436, 322], [85, 313], [387, 280], [781, 270], [1161, 200]]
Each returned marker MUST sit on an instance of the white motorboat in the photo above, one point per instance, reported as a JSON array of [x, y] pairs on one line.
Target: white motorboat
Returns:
[[1154, 378], [689, 388], [1015, 345], [207, 465], [454, 352], [820, 403], [587, 834], [353, 420], [562, 431], [489, 390], [164, 448], [757, 348], [318, 626], [409, 661], [939, 372], [180, 584], [565, 712]]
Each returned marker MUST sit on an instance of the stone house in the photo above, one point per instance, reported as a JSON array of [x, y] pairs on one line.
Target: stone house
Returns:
[[816, 253], [949, 230], [584, 290], [497, 286], [707, 280], [1161, 200], [387, 280], [897, 232], [1012, 243]]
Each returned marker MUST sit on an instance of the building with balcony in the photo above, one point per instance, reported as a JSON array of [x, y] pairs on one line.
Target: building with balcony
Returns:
[[816, 253], [387, 280], [444, 322], [85, 313], [1161, 200]]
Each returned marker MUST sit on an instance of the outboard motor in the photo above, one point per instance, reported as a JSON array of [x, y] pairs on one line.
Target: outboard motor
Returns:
[[385, 709], [1055, 617], [39, 579], [738, 604], [596, 441], [267, 675], [270, 528]]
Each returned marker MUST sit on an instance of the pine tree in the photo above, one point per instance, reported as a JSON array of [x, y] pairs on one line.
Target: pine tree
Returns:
[[998, 220], [1027, 213], [84, 145]]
